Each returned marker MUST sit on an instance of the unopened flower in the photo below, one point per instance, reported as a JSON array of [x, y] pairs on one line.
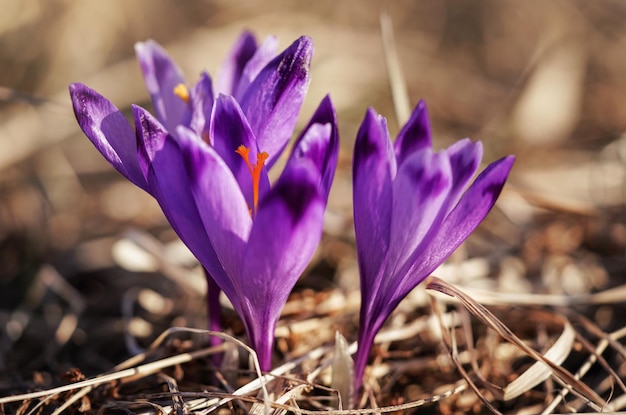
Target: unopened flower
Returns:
[[411, 211], [205, 161]]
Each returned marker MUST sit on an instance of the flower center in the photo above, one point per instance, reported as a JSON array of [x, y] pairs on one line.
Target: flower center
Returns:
[[182, 92], [255, 172]]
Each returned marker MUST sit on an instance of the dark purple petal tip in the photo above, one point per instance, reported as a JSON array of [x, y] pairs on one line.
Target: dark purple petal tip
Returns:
[[299, 188], [415, 135], [234, 65], [274, 98], [372, 139]]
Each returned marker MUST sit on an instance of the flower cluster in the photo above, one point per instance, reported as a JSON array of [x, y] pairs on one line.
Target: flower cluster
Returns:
[[205, 161], [205, 154]]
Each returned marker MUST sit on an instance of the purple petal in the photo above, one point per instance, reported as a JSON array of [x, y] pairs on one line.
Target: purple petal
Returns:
[[229, 130], [373, 170], [263, 55], [273, 100], [319, 142], [221, 205], [463, 219], [284, 236], [168, 178], [109, 132], [465, 157], [232, 68], [161, 76], [369, 325], [201, 101], [415, 135], [151, 137], [420, 191]]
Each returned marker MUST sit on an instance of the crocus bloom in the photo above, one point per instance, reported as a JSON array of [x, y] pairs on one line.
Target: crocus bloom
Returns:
[[269, 89], [205, 161], [265, 245], [411, 211]]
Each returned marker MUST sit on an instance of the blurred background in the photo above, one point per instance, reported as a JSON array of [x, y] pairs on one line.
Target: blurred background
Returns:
[[85, 257]]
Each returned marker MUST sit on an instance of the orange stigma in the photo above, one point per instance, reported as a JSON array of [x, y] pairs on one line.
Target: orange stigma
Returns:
[[255, 171], [182, 92]]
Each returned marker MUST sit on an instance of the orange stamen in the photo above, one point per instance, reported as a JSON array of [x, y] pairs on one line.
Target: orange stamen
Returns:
[[182, 92], [255, 171]]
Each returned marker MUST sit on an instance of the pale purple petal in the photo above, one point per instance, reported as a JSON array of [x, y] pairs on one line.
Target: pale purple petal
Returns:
[[273, 100], [420, 191], [319, 142], [464, 158], [373, 169], [458, 225], [161, 76], [221, 205], [201, 102], [234, 64], [284, 236], [470, 211], [109, 132], [415, 135], [263, 55]]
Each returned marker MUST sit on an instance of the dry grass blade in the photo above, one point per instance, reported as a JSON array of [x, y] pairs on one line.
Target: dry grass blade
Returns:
[[451, 345], [539, 371], [490, 320], [397, 83], [612, 295], [596, 355]]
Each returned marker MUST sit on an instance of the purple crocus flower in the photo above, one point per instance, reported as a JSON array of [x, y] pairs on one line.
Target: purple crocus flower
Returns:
[[266, 245], [203, 159], [411, 211], [270, 89]]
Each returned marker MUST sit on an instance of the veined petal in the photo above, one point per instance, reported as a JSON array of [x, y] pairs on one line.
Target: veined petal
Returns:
[[373, 170], [263, 55], [221, 205], [234, 64], [161, 76], [415, 134], [201, 101], [463, 219], [319, 142], [109, 132], [229, 130], [284, 236], [273, 100], [167, 176], [420, 191]]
